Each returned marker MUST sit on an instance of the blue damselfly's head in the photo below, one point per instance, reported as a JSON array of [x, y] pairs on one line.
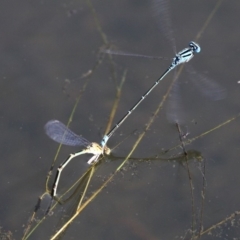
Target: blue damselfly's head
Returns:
[[195, 47]]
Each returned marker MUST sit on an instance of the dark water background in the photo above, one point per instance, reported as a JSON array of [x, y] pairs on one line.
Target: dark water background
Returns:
[[45, 48]]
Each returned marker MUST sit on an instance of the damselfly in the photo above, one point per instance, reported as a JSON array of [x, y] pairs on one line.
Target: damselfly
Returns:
[[61, 134]]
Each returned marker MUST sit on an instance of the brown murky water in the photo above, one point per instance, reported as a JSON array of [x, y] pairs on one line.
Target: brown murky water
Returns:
[[45, 49]]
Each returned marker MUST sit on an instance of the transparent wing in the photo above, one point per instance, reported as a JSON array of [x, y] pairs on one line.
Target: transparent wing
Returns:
[[58, 132], [162, 14], [175, 110], [207, 87], [122, 53]]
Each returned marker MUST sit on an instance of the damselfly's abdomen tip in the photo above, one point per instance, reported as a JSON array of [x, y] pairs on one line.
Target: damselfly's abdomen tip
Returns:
[[104, 141], [195, 47]]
